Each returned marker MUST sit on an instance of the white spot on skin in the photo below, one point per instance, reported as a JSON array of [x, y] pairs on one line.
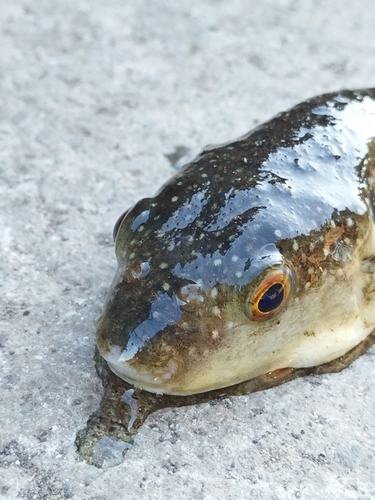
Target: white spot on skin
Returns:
[[204, 175], [307, 285], [278, 233], [215, 334], [131, 256], [163, 265], [349, 222], [295, 246], [216, 312], [166, 287], [217, 262], [214, 293], [174, 199]]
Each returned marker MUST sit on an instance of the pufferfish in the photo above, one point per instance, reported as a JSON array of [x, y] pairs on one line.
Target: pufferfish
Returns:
[[257, 256]]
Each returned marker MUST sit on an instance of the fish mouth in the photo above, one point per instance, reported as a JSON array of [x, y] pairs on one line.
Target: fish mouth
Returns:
[[154, 379]]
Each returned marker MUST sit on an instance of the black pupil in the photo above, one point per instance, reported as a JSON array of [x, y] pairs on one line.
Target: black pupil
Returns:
[[272, 298]]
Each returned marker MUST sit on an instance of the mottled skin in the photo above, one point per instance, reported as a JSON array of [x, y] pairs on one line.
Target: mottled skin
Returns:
[[296, 194]]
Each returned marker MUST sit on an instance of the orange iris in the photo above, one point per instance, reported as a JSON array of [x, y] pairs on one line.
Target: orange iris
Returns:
[[270, 296]]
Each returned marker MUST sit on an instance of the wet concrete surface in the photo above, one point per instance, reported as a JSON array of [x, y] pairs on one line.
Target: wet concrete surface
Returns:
[[98, 102]]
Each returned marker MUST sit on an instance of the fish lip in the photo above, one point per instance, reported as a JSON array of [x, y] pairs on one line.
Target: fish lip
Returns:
[[131, 371], [125, 372], [144, 381]]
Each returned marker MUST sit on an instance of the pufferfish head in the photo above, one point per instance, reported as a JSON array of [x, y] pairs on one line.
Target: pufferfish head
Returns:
[[185, 315], [239, 266]]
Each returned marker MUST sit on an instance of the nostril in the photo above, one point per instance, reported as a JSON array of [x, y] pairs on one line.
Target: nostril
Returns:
[[139, 269], [192, 292]]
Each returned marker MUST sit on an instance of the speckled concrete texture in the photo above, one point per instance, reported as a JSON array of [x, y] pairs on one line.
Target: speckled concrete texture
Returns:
[[96, 96]]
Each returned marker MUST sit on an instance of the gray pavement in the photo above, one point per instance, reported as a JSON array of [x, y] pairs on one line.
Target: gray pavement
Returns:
[[94, 96]]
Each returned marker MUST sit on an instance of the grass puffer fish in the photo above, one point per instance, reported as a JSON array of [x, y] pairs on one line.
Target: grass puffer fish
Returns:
[[257, 256]]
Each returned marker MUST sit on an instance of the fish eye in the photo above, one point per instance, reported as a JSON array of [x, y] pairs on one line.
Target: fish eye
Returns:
[[271, 294], [119, 222]]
